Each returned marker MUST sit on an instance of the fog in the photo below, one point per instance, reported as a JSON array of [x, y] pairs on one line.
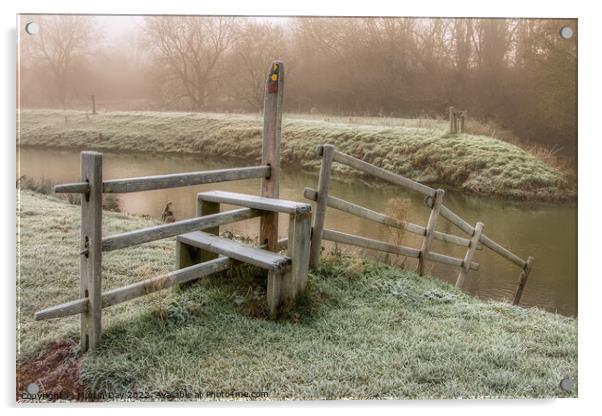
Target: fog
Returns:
[[517, 75]]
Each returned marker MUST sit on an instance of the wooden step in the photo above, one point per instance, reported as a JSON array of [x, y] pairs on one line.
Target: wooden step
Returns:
[[235, 250], [257, 202]]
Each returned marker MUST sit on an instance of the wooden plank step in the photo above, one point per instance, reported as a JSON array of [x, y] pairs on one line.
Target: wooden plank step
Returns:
[[257, 202], [235, 250]]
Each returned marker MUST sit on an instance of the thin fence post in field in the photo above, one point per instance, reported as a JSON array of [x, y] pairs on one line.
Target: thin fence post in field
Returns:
[[270, 152], [430, 228], [93, 104], [327, 152], [522, 281], [91, 249], [472, 248], [452, 120]]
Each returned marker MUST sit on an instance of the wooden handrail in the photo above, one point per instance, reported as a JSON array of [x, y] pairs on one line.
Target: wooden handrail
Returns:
[[176, 180]]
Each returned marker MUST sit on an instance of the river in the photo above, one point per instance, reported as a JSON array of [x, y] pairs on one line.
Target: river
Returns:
[[545, 231]]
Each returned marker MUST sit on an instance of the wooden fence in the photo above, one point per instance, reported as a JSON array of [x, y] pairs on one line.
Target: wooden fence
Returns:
[[287, 274], [433, 199], [199, 254]]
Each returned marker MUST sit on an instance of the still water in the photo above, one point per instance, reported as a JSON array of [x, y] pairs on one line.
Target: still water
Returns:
[[546, 232]]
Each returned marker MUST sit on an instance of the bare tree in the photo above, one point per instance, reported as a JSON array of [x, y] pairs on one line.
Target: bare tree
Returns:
[[61, 46], [257, 45], [187, 53]]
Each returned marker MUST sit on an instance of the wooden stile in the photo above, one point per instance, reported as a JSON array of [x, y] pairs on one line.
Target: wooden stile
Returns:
[[327, 153], [91, 247], [236, 250], [255, 202], [270, 151], [430, 228], [474, 242]]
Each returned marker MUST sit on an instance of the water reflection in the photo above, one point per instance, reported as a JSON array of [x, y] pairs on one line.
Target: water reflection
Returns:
[[546, 232]]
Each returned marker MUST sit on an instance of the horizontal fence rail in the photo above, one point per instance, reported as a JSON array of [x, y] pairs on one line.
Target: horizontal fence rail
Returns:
[[135, 290], [366, 213], [177, 180], [355, 240], [72, 188], [158, 232]]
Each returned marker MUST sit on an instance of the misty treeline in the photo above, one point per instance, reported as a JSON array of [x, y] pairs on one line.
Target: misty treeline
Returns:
[[516, 73]]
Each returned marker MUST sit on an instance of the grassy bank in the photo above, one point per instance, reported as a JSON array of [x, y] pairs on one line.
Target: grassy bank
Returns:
[[362, 330], [419, 149]]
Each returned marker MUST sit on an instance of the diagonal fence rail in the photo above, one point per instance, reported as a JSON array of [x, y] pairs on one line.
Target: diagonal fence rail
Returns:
[[433, 200]]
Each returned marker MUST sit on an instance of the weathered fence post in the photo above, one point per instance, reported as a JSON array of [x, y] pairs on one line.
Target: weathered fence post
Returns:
[[298, 248], [461, 121], [522, 281], [93, 104], [327, 153], [472, 248], [208, 208], [270, 151], [187, 255], [430, 228], [91, 254], [452, 121]]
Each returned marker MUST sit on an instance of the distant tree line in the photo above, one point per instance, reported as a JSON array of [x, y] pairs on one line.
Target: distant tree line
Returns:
[[518, 73]]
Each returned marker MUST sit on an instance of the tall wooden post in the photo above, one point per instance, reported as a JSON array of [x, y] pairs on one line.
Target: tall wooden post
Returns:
[[452, 121], [91, 254], [522, 281], [93, 104], [430, 228], [270, 152], [472, 248], [327, 152]]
